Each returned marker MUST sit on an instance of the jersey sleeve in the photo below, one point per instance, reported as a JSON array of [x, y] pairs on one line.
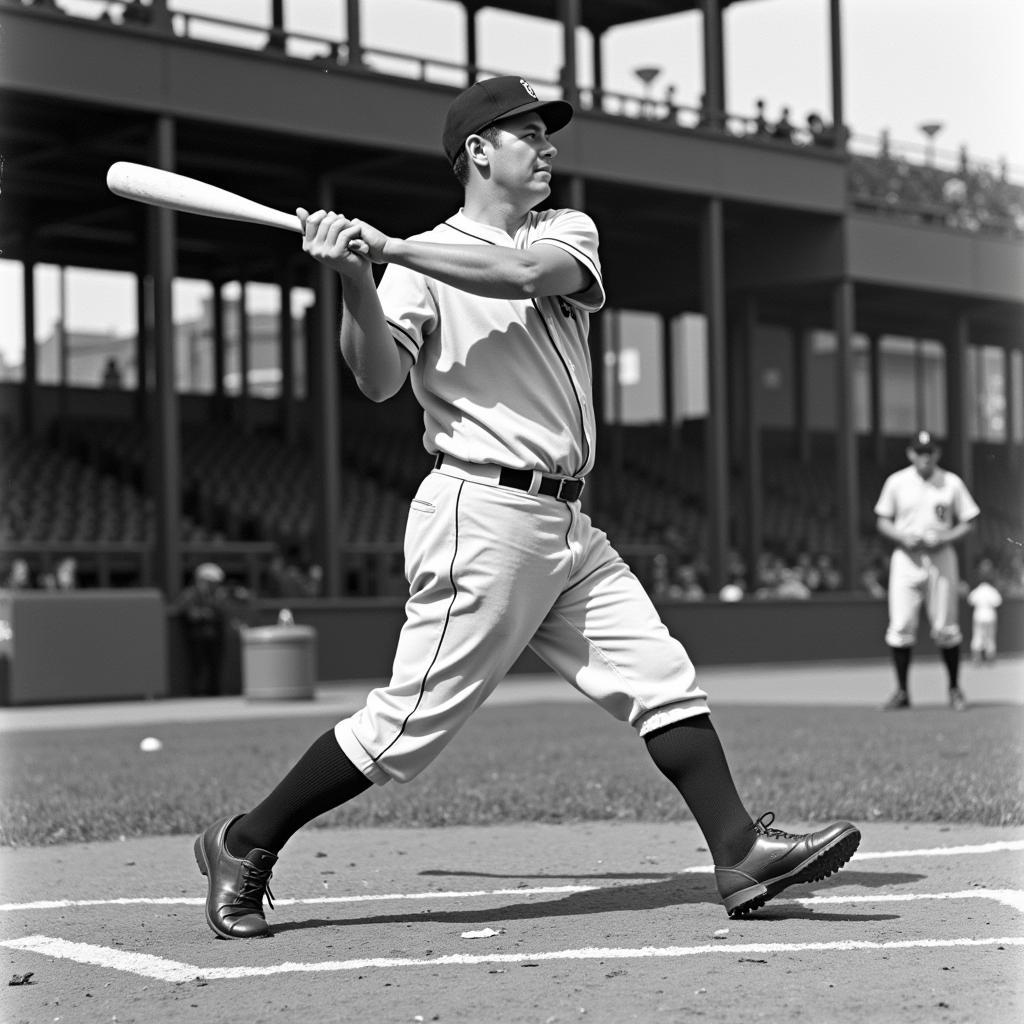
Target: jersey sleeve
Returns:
[[409, 305], [885, 507], [576, 233], [966, 507]]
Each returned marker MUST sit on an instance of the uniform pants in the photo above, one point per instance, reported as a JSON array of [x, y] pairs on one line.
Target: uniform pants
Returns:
[[931, 580], [491, 571]]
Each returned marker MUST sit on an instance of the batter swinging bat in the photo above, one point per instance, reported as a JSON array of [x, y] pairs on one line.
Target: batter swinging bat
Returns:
[[172, 191]]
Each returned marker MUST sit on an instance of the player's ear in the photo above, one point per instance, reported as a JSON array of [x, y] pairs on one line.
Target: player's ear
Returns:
[[476, 149]]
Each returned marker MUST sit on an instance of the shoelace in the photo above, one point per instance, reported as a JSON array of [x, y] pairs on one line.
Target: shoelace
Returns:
[[255, 885], [762, 826]]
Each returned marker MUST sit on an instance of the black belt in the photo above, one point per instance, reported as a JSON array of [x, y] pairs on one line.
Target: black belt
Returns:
[[562, 488]]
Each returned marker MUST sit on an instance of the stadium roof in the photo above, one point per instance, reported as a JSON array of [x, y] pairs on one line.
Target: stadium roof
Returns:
[[599, 15]]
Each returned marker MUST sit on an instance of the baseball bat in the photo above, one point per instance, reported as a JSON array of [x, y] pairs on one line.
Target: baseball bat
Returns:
[[157, 187]]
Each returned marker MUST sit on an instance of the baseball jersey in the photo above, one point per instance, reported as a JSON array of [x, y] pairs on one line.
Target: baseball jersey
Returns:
[[984, 599], [917, 505], [502, 381]]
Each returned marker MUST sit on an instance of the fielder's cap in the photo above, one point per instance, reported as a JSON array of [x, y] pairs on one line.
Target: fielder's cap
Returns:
[[210, 571], [485, 102], [923, 441]]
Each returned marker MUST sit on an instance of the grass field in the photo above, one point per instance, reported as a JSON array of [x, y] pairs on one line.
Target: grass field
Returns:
[[552, 764]]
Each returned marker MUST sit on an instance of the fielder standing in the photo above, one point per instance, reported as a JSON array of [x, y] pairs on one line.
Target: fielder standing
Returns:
[[924, 510], [488, 314]]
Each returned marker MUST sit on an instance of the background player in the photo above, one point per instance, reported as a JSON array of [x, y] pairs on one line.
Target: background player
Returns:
[[984, 600], [488, 315], [924, 510]]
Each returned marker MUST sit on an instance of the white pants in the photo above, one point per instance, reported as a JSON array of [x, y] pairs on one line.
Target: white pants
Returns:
[[931, 580], [491, 571]]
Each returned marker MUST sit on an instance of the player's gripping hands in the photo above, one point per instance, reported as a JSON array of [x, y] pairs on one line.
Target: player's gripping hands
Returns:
[[347, 246]]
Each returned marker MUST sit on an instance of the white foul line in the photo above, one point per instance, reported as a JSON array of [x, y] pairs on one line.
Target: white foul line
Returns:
[[161, 969], [1003, 846]]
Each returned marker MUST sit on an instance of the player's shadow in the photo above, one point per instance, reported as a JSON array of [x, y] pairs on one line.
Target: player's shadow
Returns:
[[679, 890], [848, 876]]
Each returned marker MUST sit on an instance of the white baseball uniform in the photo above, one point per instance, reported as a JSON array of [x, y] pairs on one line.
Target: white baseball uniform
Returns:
[[919, 506], [494, 563], [985, 600]]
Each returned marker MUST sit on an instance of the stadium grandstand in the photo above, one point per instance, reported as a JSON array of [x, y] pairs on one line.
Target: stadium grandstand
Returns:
[[784, 308]]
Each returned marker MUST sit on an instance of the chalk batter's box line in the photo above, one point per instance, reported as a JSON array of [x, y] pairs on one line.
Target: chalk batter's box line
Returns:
[[174, 972], [1002, 846]]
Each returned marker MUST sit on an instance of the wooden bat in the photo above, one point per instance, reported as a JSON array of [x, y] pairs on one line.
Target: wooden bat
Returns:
[[156, 187]]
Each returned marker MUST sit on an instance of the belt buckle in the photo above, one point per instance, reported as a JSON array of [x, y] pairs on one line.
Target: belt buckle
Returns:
[[576, 483]]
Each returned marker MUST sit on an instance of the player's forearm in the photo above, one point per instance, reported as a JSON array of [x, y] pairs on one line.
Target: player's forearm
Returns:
[[366, 341], [492, 271]]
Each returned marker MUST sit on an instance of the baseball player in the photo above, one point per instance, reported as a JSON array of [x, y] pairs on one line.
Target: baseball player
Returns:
[[924, 510], [487, 314], [984, 600]]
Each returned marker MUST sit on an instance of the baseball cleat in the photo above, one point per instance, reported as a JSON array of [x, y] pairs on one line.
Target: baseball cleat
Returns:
[[897, 701], [956, 699], [780, 859], [237, 887]]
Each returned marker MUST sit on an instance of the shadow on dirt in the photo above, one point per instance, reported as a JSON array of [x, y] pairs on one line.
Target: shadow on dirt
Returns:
[[677, 891]]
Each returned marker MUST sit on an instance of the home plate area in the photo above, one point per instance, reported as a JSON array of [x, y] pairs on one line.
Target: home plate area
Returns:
[[384, 908]]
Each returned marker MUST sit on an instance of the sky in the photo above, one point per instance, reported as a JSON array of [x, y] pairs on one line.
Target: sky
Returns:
[[907, 62]]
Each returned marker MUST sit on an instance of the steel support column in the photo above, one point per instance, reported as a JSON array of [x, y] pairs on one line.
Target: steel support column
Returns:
[[286, 356], [28, 383], [751, 457], [714, 64], [836, 64], [847, 496], [716, 506], [569, 15], [164, 447]]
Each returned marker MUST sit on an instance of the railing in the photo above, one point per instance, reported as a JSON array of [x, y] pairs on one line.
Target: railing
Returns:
[[322, 49]]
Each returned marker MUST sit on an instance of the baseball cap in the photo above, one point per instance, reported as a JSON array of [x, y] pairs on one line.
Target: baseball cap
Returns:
[[923, 441], [209, 571], [488, 101]]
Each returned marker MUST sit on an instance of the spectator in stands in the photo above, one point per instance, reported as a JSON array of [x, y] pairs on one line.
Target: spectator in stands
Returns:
[[790, 586], [873, 579], [784, 128], [63, 577], [206, 609], [112, 374], [831, 577], [687, 586], [820, 133], [808, 571], [760, 121], [671, 107], [19, 576]]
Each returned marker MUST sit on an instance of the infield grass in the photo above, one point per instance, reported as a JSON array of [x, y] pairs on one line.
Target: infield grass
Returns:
[[549, 763]]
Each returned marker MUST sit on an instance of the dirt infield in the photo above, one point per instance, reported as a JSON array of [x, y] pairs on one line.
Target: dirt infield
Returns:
[[602, 922], [599, 922]]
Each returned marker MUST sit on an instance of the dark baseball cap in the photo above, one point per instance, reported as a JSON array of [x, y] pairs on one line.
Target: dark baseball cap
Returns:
[[485, 102], [923, 441]]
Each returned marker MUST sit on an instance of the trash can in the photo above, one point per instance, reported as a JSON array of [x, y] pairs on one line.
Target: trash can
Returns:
[[279, 662]]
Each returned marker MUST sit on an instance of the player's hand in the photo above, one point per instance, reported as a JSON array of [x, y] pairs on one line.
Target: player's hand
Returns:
[[932, 540], [333, 239], [373, 240], [912, 542]]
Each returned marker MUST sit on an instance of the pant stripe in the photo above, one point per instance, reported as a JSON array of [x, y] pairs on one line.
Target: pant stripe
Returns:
[[444, 630]]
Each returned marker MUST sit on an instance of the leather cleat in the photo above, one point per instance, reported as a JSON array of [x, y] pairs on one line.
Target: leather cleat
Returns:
[[237, 887], [897, 701], [956, 699], [780, 859]]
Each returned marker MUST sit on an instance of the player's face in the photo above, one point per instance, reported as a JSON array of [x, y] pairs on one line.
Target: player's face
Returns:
[[924, 462], [522, 161]]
